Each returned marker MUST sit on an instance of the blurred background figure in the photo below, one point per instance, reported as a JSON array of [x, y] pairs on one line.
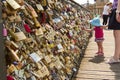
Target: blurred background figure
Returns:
[[106, 11]]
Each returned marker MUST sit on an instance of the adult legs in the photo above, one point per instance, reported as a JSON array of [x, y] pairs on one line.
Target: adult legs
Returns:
[[105, 19], [116, 34]]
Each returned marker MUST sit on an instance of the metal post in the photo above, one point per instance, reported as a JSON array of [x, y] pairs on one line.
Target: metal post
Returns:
[[95, 7], [88, 4], [2, 55]]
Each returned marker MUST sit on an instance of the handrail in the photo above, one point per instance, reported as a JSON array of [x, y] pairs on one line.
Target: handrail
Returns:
[[2, 54], [79, 5]]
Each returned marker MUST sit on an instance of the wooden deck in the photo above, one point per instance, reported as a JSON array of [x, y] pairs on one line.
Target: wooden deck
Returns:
[[94, 67]]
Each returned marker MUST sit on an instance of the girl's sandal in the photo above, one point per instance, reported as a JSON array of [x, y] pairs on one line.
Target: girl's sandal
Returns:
[[100, 54], [97, 52]]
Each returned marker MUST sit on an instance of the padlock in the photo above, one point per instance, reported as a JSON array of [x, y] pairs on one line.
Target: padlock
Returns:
[[5, 32]]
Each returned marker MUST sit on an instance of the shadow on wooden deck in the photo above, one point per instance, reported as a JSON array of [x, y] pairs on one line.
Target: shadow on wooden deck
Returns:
[[97, 59]]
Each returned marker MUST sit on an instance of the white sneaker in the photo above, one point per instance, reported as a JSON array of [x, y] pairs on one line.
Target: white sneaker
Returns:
[[112, 60]]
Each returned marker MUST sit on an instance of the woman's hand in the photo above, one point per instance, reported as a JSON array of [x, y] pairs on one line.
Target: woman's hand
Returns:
[[104, 26], [118, 16], [118, 12]]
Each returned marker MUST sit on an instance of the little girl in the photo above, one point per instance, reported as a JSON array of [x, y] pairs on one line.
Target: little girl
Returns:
[[99, 35]]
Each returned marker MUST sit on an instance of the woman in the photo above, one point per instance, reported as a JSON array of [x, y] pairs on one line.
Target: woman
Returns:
[[115, 26], [106, 13]]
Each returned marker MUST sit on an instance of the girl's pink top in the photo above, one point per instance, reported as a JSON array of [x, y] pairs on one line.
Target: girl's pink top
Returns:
[[98, 32]]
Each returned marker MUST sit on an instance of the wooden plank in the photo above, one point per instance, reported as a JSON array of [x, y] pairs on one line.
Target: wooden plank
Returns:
[[95, 72], [97, 77], [100, 68], [82, 79]]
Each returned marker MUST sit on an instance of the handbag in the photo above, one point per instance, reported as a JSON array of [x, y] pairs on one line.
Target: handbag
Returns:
[[114, 20]]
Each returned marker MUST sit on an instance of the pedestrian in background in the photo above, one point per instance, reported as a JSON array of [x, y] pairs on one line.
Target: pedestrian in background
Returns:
[[106, 11]]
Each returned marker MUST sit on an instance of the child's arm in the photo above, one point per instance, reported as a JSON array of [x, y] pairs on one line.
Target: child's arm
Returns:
[[104, 26], [88, 30]]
